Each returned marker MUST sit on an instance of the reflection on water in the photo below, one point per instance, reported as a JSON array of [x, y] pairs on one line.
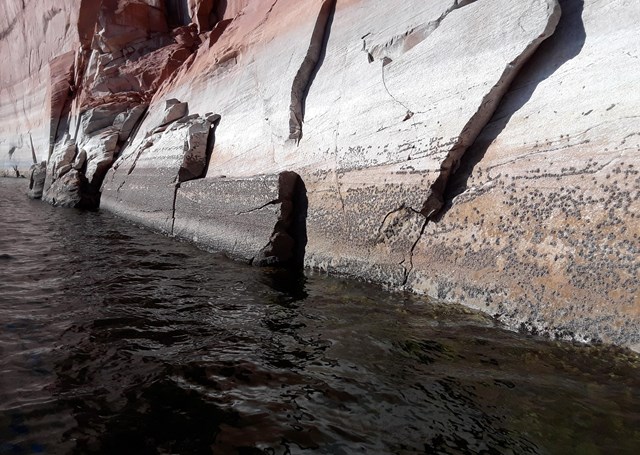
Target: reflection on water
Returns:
[[118, 340]]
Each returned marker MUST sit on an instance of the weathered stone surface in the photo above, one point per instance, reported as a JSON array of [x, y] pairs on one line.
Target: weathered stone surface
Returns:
[[391, 130], [80, 160], [67, 191], [37, 175], [250, 51], [61, 70], [99, 118], [32, 35], [195, 157], [143, 183], [380, 109], [239, 220], [207, 13], [543, 229], [62, 156], [97, 141], [100, 150], [125, 122], [174, 110], [124, 22], [203, 14]]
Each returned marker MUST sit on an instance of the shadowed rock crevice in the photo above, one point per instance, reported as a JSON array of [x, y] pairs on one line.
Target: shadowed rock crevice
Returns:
[[565, 44], [134, 132], [207, 14], [177, 12], [211, 142], [173, 207], [62, 70], [435, 196], [12, 24], [309, 68], [33, 150], [196, 159], [287, 245]]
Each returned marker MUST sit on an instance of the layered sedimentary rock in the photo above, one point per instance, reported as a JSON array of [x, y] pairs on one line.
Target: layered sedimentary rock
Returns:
[[174, 152], [544, 222], [34, 36], [482, 152]]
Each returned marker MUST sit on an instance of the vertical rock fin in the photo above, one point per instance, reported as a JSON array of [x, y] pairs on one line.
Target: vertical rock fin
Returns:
[[287, 244], [434, 200], [310, 64]]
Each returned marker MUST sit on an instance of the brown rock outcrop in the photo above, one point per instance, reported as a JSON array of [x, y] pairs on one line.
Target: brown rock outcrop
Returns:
[[33, 34]]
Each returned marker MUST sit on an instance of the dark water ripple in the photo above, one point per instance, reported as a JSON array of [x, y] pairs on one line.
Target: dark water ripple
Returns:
[[117, 340]]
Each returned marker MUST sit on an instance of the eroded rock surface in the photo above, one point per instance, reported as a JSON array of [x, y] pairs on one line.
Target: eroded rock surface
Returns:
[[92, 66], [483, 152], [544, 225], [143, 183], [239, 220], [37, 176], [70, 191]]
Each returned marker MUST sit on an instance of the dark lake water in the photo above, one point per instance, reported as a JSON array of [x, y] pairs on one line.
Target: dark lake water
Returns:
[[117, 340]]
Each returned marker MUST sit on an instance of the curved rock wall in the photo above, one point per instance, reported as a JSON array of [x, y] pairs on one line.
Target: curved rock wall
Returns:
[[35, 37], [483, 152]]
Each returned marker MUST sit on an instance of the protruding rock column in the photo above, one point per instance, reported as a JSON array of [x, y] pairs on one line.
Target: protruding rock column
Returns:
[[287, 243], [144, 181], [37, 176]]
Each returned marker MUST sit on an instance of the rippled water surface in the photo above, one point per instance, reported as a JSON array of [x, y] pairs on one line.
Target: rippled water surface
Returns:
[[117, 340]]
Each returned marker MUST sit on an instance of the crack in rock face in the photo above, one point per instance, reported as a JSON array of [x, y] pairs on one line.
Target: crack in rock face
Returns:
[[390, 97], [288, 241], [541, 18], [435, 196], [159, 164], [399, 130], [400, 231], [309, 66]]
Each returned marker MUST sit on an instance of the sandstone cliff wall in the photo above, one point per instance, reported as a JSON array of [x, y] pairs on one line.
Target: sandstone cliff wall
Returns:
[[35, 36], [483, 152]]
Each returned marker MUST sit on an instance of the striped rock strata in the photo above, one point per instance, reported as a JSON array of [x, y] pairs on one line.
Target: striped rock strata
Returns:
[[483, 152]]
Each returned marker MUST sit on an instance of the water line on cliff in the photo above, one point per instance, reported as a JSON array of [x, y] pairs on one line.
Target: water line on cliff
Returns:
[[539, 66]]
